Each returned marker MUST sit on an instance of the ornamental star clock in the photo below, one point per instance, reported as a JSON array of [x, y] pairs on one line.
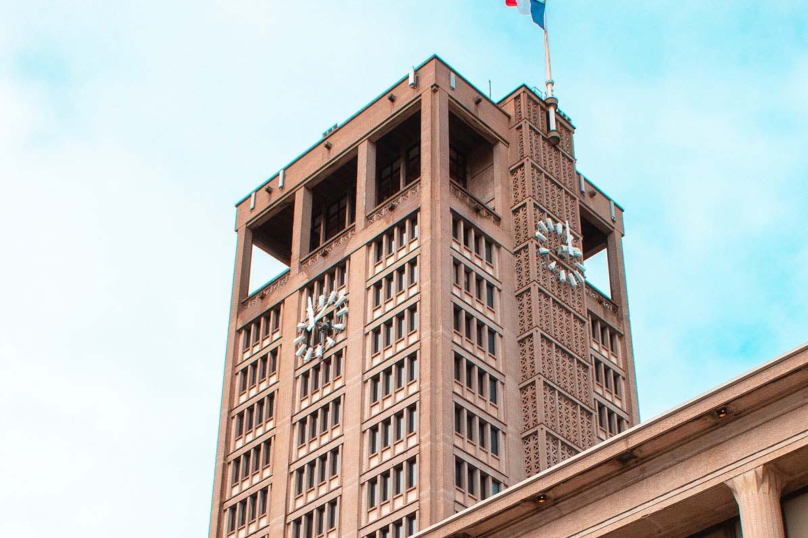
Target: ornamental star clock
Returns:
[[325, 319], [566, 251]]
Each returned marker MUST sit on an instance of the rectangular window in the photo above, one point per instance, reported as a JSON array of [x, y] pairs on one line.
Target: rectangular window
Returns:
[[337, 405], [492, 342], [492, 389], [412, 473], [374, 389], [386, 440], [231, 519], [332, 515], [324, 419], [234, 467], [371, 493], [399, 426], [457, 165], [315, 378], [304, 385], [387, 376], [377, 294], [327, 371], [334, 460], [412, 419], [385, 487], [399, 368], [483, 486], [378, 250], [398, 480], [320, 520], [389, 284], [413, 164], [267, 454], [489, 295], [273, 361], [376, 340], [401, 324], [401, 276], [301, 432], [271, 406], [311, 467], [494, 441]]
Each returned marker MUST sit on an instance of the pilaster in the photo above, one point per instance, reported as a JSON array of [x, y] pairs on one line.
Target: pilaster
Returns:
[[757, 493]]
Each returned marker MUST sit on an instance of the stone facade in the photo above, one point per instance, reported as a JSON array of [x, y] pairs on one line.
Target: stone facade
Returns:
[[731, 463], [423, 352]]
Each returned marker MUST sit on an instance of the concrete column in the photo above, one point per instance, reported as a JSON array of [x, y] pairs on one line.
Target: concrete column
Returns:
[[365, 182], [757, 493], [301, 228], [241, 285], [619, 295], [353, 365]]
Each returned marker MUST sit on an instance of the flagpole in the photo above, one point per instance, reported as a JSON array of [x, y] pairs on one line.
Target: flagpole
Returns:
[[548, 70], [552, 103]]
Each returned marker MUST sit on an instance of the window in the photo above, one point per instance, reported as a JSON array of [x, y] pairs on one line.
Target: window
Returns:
[[254, 416], [327, 416], [372, 492], [459, 473], [413, 271], [398, 157], [494, 441], [247, 510], [457, 166]]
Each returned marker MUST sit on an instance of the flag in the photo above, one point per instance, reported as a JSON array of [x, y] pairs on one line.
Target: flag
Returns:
[[534, 8]]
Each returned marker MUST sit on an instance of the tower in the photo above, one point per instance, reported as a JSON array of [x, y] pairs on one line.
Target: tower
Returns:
[[426, 347]]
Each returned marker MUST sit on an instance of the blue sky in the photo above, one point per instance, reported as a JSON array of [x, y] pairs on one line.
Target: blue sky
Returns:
[[129, 129]]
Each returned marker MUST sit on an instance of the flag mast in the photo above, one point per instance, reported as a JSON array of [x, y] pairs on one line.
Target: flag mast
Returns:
[[552, 103]]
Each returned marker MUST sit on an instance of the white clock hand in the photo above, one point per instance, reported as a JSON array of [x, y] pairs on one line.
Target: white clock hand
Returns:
[[310, 314]]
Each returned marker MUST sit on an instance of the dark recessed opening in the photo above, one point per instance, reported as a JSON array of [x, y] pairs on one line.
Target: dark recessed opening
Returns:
[[398, 158], [471, 159], [596, 256], [333, 205], [272, 247]]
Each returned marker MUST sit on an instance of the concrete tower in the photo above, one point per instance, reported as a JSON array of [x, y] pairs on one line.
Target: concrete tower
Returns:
[[425, 349]]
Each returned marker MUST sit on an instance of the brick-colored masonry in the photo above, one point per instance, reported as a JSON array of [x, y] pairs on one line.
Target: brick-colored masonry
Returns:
[[425, 350]]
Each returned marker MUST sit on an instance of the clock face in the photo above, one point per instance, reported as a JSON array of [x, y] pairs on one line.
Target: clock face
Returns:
[[325, 318], [545, 230]]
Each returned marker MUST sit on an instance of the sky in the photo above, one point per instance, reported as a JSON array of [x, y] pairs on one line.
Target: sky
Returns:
[[128, 130]]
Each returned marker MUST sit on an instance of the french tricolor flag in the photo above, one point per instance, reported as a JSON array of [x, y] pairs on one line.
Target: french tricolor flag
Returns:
[[534, 8]]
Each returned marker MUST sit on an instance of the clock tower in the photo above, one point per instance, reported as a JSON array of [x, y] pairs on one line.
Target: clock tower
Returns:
[[436, 337]]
